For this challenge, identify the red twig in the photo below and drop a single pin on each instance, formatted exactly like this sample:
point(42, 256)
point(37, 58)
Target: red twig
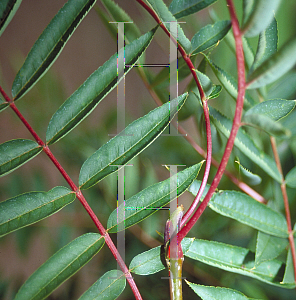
point(236, 121)
point(286, 203)
point(80, 197)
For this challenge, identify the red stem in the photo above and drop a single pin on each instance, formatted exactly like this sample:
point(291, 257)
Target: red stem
point(80, 197)
point(235, 126)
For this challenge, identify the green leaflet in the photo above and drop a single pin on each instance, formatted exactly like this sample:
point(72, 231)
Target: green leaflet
point(49, 45)
point(268, 247)
point(284, 88)
point(8, 9)
point(230, 84)
point(273, 68)
point(275, 109)
point(3, 104)
point(291, 178)
point(151, 199)
point(268, 125)
point(93, 90)
point(182, 8)
point(244, 143)
point(62, 265)
point(123, 147)
point(108, 287)
point(168, 19)
point(15, 153)
point(245, 209)
point(209, 36)
point(247, 176)
point(229, 39)
point(237, 260)
point(30, 208)
point(216, 293)
point(131, 31)
point(150, 262)
point(267, 45)
point(260, 16)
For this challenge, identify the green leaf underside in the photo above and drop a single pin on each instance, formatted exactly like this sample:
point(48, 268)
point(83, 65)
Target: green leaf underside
point(237, 260)
point(93, 90)
point(129, 143)
point(62, 265)
point(30, 208)
point(119, 15)
point(268, 125)
point(245, 209)
point(49, 45)
point(291, 178)
point(273, 68)
point(284, 88)
point(182, 8)
point(268, 247)
point(15, 153)
point(108, 287)
point(149, 262)
point(8, 9)
point(260, 17)
point(152, 199)
point(267, 45)
point(247, 176)
point(216, 293)
point(244, 143)
point(209, 36)
point(276, 109)
point(230, 84)
point(168, 19)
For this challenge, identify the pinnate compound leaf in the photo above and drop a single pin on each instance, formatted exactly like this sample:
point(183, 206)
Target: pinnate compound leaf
point(268, 247)
point(245, 144)
point(169, 21)
point(151, 199)
point(93, 90)
point(276, 109)
point(267, 44)
point(8, 9)
point(30, 208)
point(273, 68)
point(129, 143)
point(49, 45)
point(150, 262)
point(108, 287)
point(216, 293)
point(182, 8)
point(245, 209)
point(15, 153)
point(291, 178)
point(61, 266)
point(261, 16)
point(237, 260)
point(209, 36)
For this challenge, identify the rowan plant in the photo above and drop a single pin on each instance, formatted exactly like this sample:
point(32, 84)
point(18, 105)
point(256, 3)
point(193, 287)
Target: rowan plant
point(195, 198)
